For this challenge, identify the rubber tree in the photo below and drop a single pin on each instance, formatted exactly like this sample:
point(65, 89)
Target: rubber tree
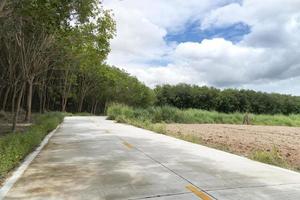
point(40, 55)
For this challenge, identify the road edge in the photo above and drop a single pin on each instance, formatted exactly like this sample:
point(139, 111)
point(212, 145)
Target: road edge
point(18, 172)
point(242, 157)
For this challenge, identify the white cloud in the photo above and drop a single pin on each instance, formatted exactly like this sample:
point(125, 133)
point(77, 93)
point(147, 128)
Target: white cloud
point(223, 16)
point(266, 59)
point(218, 61)
point(137, 38)
point(170, 74)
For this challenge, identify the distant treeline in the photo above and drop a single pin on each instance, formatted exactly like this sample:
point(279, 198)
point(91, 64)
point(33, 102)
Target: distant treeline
point(227, 101)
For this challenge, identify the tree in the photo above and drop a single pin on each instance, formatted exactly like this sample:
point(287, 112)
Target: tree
point(30, 40)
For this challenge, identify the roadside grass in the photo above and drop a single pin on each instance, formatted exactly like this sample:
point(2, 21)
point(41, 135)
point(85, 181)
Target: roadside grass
point(155, 118)
point(167, 114)
point(161, 128)
point(15, 146)
point(271, 157)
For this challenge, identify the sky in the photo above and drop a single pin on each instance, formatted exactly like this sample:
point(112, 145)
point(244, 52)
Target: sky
point(249, 44)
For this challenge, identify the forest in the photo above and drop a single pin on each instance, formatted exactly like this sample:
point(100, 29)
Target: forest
point(53, 58)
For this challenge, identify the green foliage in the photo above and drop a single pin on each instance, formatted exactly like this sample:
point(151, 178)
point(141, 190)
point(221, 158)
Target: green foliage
point(59, 47)
point(70, 73)
point(227, 101)
point(270, 157)
point(123, 88)
point(14, 147)
point(56, 14)
point(167, 114)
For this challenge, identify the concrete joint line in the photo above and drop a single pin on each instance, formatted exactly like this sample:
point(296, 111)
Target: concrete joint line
point(8, 184)
point(160, 195)
point(180, 176)
point(172, 171)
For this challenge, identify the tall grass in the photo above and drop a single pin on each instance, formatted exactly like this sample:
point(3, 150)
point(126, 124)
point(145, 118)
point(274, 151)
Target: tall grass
point(15, 146)
point(167, 114)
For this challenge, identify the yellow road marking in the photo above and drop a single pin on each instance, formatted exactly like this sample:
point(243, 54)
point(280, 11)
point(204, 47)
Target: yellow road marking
point(128, 145)
point(198, 193)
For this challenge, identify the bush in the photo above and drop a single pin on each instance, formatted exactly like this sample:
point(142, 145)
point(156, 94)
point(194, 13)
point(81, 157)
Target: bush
point(15, 146)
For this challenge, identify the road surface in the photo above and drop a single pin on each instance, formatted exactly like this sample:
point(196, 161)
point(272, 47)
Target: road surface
point(93, 158)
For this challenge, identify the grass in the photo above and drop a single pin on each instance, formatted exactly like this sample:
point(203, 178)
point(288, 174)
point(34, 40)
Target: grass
point(154, 119)
point(270, 157)
point(167, 114)
point(15, 146)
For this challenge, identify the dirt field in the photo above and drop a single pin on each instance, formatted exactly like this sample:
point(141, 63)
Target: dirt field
point(244, 140)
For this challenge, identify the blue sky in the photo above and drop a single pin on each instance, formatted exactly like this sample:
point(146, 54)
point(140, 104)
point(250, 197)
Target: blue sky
point(193, 33)
point(250, 44)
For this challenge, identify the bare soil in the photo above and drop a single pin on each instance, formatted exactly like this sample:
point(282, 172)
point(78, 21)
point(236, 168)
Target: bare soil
point(245, 139)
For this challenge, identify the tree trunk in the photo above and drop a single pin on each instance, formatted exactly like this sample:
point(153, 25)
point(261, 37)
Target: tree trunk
point(42, 96)
point(80, 103)
point(64, 104)
point(40, 101)
point(105, 107)
point(92, 107)
point(44, 102)
point(1, 90)
point(48, 102)
point(16, 113)
point(65, 95)
point(5, 98)
point(29, 100)
point(13, 99)
point(95, 108)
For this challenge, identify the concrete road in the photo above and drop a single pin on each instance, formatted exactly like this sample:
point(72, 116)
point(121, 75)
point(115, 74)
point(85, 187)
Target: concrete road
point(92, 158)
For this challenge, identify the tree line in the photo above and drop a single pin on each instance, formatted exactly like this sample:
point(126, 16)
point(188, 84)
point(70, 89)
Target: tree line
point(53, 56)
point(227, 101)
